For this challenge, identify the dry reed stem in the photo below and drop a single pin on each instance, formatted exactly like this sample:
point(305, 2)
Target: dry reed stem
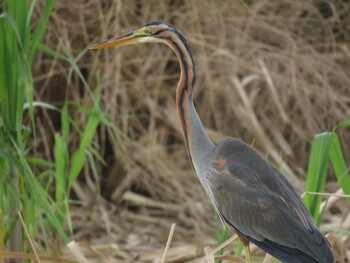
point(31, 244)
point(218, 248)
point(268, 259)
point(20, 255)
point(230, 258)
point(77, 252)
point(170, 237)
point(209, 255)
point(94, 251)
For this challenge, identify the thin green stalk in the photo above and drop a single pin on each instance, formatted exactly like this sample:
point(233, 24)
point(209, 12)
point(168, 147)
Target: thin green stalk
point(15, 242)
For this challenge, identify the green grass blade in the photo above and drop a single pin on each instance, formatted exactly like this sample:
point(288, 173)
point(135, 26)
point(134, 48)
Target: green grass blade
point(5, 17)
point(47, 206)
point(72, 61)
point(79, 157)
point(18, 10)
point(40, 104)
point(339, 166)
point(65, 120)
point(11, 159)
point(51, 52)
point(74, 67)
point(60, 168)
point(343, 124)
point(41, 198)
point(40, 162)
point(30, 13)
point(92, 165)
point(102, 118)
point(221, 234)
point(16, 79)
point(317, 172)
point(40, 29)
point(239, 248)
point(10, 60)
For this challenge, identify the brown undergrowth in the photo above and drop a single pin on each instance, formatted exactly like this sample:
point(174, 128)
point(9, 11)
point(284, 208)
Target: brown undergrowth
point(272, 73)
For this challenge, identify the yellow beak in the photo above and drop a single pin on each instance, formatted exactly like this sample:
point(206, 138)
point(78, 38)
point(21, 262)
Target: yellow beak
point(127, 39)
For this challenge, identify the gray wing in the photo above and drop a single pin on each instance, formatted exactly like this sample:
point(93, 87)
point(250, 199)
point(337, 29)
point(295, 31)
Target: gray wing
point(258, 201)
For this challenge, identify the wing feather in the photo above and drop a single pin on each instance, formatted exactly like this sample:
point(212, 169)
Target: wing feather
point(257, 200)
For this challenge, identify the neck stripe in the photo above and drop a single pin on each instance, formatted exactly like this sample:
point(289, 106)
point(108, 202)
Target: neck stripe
point(184, 88)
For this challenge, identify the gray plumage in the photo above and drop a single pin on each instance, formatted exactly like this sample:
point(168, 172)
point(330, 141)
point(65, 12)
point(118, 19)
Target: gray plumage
point(259, 202)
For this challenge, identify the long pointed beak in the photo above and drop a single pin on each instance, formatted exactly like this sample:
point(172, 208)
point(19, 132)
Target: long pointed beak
point(126, 39)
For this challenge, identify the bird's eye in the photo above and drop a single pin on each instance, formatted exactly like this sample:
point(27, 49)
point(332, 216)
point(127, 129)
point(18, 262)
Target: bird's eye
point(147, 32)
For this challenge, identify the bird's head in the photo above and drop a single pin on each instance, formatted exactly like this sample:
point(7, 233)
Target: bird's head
point(150, 32)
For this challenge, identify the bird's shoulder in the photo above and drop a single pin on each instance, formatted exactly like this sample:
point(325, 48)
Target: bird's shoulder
point(236, 158)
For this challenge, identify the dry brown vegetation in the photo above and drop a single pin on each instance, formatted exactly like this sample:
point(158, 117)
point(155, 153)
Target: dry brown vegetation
point(273, 73)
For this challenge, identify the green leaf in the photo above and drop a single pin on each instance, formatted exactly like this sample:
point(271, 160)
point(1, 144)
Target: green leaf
point(317, 172)
point(5, 17)
point(239, 248)
point(51, 52)
point(40, 104)
point(78, 158)
point(11, 69)
point(41, 198)
point(40, 28)
point(343, 124)
point(40, 162)
point(65, 119)
point(221, 234)
point(339, 166)
point(18, 10)
point(11, 159)
point(60, 168)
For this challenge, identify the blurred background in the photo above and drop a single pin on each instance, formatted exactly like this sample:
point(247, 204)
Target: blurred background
point(272, 73)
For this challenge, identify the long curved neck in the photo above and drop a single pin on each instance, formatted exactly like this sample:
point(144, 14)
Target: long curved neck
point(198, 144)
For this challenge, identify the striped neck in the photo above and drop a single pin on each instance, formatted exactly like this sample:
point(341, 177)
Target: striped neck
point(196, 140)
point(186, 82)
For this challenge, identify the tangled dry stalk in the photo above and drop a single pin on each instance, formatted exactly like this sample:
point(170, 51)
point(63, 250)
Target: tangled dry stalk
point(272, 73)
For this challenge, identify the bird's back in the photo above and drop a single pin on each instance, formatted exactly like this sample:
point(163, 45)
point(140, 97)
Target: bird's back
point(258, 201)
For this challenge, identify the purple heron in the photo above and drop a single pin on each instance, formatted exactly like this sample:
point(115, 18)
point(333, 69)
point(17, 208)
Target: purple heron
point(247, 192)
